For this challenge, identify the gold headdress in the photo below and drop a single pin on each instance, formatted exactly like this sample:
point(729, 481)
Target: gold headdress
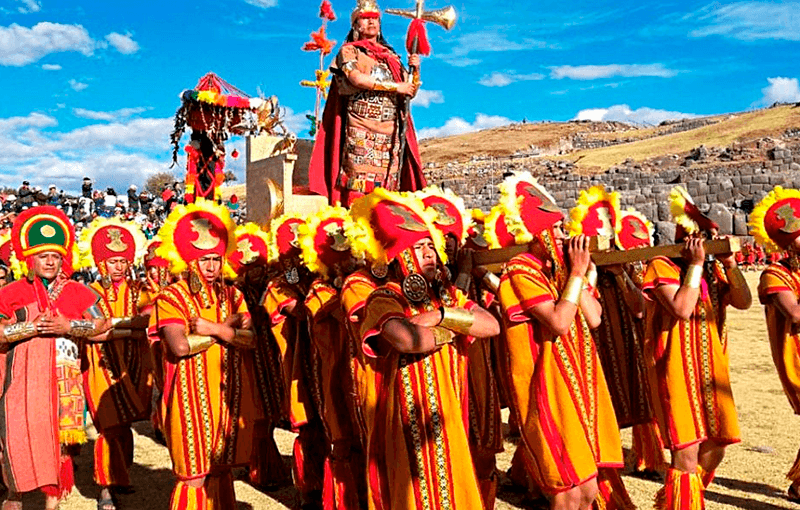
point(365, 9)
point(452, 216)
point(775, 221)
point(595, 214)
point(635, 230)
point(326, 239)
point(105, 238)
point(686, 214)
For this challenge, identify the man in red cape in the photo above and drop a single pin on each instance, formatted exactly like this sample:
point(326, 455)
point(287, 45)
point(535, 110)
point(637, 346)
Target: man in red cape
point(362, 143)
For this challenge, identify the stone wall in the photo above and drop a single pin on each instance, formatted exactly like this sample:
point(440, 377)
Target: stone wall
point(726, 191)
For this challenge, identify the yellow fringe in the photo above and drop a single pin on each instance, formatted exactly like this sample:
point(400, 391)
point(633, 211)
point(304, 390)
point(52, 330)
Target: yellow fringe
point(706, 477)
point(72, 437)
point(794, 473)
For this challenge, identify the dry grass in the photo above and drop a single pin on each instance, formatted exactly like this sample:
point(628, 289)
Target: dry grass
point(736, 128)
point(751, 477)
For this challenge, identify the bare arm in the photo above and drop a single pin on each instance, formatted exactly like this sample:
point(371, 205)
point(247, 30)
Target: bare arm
point(225, 332)
point(410, 338)
point(787, 303)
point(592, 309)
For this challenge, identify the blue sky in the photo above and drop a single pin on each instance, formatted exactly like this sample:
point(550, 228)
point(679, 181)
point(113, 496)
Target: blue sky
point(92, 86)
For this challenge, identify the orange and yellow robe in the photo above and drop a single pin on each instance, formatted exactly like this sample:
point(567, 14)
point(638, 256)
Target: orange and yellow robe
point(118, 383)
point(209, 404)
point(300, 366)
point(687, 360)
point(416, 412)
point(558, 390)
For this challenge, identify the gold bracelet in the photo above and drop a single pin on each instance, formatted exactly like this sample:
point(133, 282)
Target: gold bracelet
point(735, 277)
point(457, 320)
point(386, 86)
point(83, 328)
point(572, 290)
point(591, 277)
point(441, 336)
point(199, 343)
point(491, 281)
point(694, 275)
point(19, 331)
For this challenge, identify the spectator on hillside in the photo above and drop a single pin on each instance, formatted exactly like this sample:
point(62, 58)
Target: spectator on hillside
point(145, 201)
point(53, 197)
point(24, 196)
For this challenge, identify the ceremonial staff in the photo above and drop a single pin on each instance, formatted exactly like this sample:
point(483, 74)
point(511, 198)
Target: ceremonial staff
point(417, 42)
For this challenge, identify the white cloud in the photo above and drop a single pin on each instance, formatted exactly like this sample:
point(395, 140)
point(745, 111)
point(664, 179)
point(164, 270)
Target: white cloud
point(115, 154)
point(500, 79)
point(295, 122)
point(77, 86)
point(29, 6)
point(623, 113)
point(122, 43)
point(51, 67)
point(425, 98)
point(457, 126)
point(20, 46)
point(264, 4)
point(122, 113)
point(780, 90)
point(594, 72)
point(486, 41)
point(748, 21)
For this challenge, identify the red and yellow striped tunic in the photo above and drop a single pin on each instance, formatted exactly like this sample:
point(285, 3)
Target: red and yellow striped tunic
point(687, 361)
point(784, 336)
point(418, 455)
point(118, 375)
point(209, 405)
point(558, 390)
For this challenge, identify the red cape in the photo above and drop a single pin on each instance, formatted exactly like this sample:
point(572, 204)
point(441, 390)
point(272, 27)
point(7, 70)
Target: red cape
point(323, 170)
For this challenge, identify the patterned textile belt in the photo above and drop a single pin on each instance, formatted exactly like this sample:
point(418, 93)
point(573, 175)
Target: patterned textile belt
point(373, 105)
point(366, 182)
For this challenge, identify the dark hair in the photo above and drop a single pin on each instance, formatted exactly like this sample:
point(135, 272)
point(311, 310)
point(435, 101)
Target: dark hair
point(351, 37)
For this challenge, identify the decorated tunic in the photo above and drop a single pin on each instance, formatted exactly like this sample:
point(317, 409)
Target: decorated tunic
point(418, 453)
point(208, 404)
point(39, 407)
point(117, 375)
point(558, 390)
point(784, 336)
point(687, 360)
point(619, 345)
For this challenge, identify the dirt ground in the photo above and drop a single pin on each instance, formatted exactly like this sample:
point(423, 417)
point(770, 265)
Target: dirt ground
point(751, 477)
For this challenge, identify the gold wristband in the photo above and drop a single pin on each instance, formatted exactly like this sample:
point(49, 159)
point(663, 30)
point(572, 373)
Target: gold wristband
point(82, 328)
point(457, 320)
point(19, 331)
point(199, 343)
point(441, 336)
point(386, 86)
point(572, 290)
point(491, 281)
point(694, 275)
point(591, 277)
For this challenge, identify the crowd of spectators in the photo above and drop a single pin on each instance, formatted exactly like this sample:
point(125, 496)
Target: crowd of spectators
point(143, 207)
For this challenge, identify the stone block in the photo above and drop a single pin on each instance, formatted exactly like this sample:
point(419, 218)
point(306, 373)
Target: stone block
point(724, 196)
point(740, 223)
point(727, 184)
point(665, 232)
point(714, 188)
point(722, 216)
point(761, 179)
point(663, 210)
point(776, 179)
point(746, 179)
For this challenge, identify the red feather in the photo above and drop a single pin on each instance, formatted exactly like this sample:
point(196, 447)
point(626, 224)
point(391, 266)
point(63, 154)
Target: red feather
point(326, 11)
point(416, 30)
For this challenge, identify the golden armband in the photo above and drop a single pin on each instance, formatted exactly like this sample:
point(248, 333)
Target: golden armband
point(199, 343)
point(572, 290)
point(348, 67)
point(457, 320)
point(441, 336)
point(735, 277)
point(83, 328)
point(385, 86)
point(694, 275)
point(591, 278)
point(19, 331)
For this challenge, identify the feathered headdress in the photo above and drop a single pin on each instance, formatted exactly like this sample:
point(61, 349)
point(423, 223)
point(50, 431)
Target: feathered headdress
point(44, 228)
point(501, 229)
point(251, 247)
point(452, 216)
point(686, 215)
point(523, 197)
point(106, 238)
point(775, 221)
point(195, 230)
point(326, 238)
point(635, 231)
point(391, 223)
point(282, 239)
point(595, 214)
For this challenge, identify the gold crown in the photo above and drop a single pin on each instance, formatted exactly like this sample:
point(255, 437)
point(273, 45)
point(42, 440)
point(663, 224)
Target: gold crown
point(362, 7)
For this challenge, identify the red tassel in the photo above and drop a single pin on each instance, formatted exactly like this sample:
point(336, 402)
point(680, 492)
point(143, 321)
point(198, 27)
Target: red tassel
point(416, 30)
point(66, 477)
